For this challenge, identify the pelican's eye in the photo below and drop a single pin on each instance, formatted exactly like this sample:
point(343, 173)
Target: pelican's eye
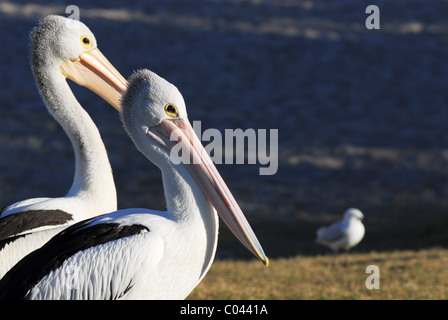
point(86, 42)
point(171, 110)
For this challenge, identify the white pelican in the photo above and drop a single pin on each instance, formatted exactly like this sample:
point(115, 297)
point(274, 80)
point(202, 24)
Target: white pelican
point(64, 48)
point(141, 253)
point(344, 234)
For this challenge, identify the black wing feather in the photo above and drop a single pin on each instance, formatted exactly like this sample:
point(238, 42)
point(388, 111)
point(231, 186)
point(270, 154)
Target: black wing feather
point(17, 283)
point(16, 223)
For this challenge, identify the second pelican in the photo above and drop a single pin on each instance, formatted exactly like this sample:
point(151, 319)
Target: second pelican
point(64, 48)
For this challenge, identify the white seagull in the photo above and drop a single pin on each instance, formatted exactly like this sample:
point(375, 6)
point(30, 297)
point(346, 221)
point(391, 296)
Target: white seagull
point(142, 253)
point(64, 48)
point(344, 234)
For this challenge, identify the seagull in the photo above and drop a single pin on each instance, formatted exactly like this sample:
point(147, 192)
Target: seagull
point(141, 253)
point(344, 234)
point(64, 48)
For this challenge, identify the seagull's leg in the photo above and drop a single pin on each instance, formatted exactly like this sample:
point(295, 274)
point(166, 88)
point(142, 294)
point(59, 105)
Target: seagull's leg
point(334, 254)
point(347, 257)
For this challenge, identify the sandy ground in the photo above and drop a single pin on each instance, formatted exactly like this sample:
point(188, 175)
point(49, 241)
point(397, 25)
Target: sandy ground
point(361, 113)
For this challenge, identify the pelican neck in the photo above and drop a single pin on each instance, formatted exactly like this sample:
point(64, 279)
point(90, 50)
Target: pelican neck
point(188, 205)
point(92, 168)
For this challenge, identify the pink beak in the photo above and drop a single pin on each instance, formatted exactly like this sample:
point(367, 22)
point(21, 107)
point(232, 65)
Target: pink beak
point(208, 178)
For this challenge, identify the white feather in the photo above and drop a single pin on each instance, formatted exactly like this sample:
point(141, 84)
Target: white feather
point(344, 234)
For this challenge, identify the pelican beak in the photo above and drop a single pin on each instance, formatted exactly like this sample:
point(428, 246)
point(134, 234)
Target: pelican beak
point(92, 70)
point(208, 178)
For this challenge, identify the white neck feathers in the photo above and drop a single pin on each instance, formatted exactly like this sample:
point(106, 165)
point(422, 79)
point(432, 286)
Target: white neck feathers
point(93, 175)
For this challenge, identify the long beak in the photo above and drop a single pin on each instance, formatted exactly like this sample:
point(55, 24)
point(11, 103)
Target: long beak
point(208, 178)
point(92, 70)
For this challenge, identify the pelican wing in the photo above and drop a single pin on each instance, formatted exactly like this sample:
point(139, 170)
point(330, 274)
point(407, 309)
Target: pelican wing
point(22, 279)
point(25, 221)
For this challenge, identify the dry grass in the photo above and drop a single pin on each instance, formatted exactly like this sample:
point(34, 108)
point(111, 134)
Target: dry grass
point(403, 275)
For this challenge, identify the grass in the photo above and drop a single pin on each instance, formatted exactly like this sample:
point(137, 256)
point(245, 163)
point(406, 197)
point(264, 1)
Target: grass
point(421, 274)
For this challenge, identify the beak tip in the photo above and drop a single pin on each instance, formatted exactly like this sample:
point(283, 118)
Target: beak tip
point(266, 262)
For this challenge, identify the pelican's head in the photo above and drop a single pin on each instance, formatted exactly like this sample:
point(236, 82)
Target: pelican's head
point(150, 100)
point(67, 45)
point(153, 113)
point(353, 213)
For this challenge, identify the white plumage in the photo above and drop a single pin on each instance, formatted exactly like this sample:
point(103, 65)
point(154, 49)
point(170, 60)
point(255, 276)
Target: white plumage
point(64, 48)
point(141, 253)
point(344, 234)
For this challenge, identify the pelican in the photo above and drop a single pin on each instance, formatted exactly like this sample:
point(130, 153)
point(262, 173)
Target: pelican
point(344, 234)
point(64, 48)
point(142, 253)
